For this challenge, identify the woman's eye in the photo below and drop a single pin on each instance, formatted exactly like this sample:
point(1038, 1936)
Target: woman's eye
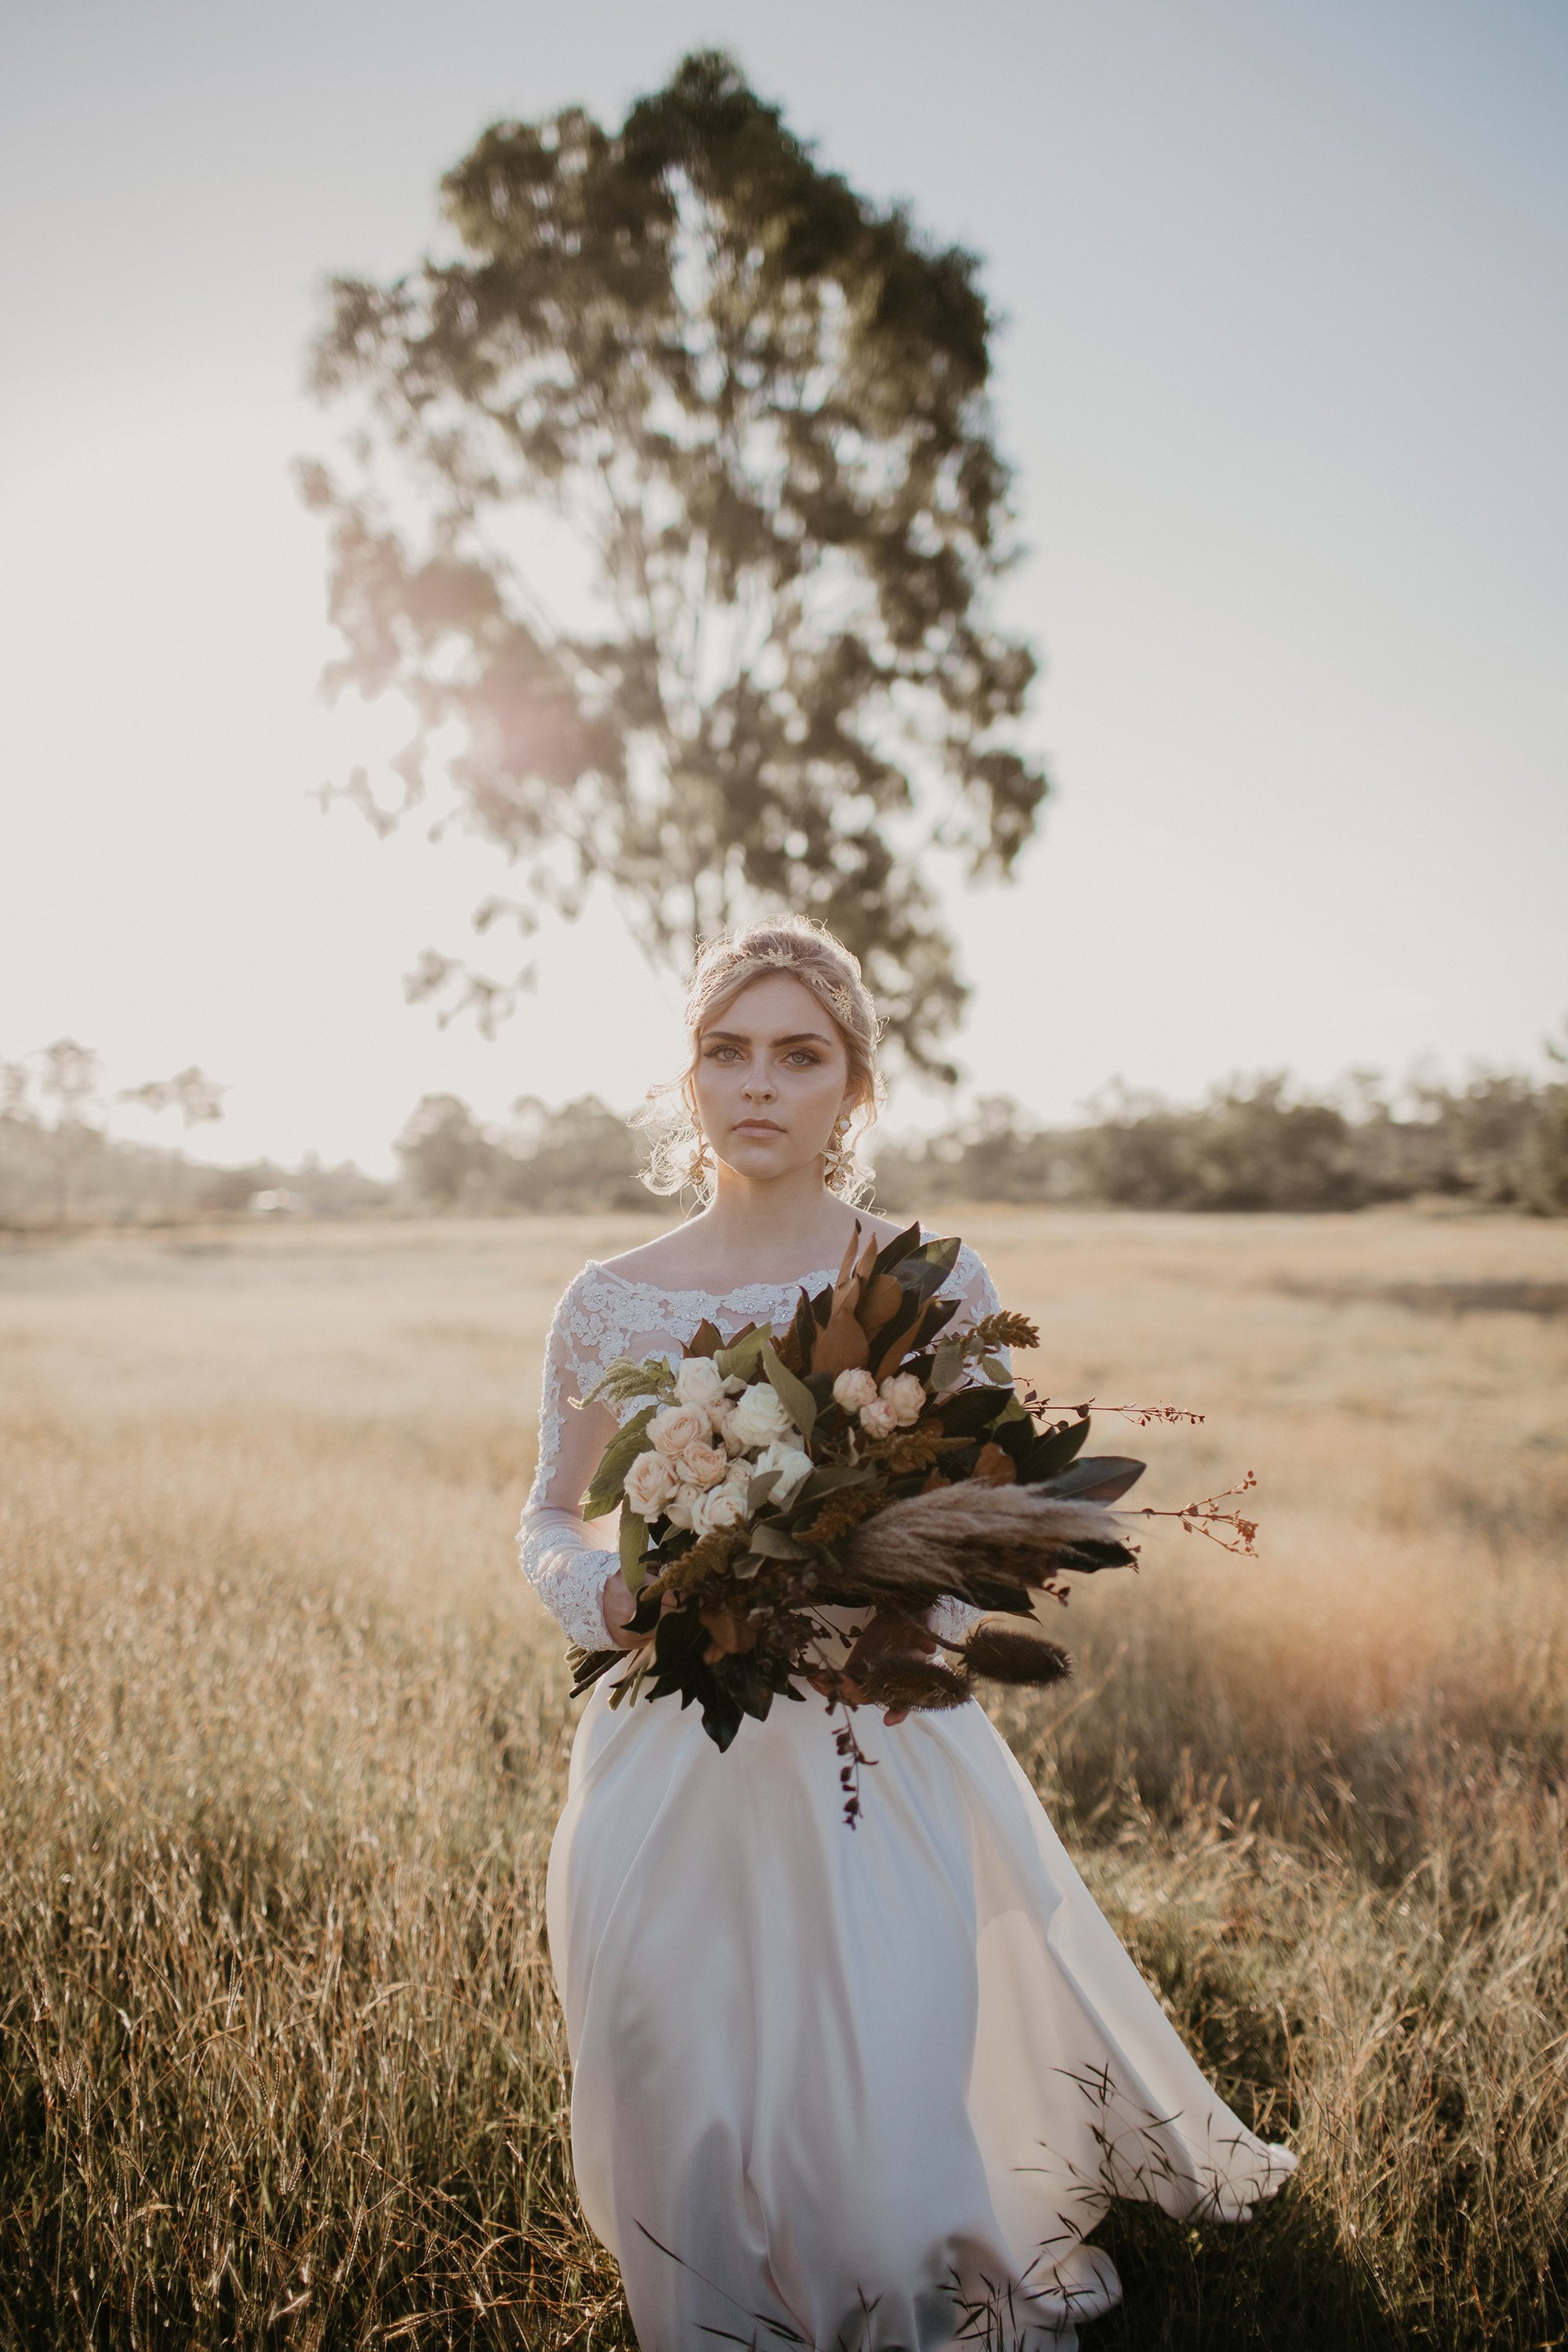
point(803, 1058)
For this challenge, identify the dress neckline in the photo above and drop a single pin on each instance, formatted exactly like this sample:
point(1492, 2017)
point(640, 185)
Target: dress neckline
point(659, 1290)
point(818, 1275)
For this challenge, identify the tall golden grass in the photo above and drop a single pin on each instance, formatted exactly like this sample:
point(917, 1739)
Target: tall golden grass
point(282, 1738)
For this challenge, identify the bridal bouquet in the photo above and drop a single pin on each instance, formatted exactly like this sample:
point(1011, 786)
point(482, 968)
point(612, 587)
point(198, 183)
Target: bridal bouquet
point(870, 1458)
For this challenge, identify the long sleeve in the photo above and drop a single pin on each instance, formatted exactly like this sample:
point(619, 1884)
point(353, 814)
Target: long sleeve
point(558, 1554)
point(952, 1621)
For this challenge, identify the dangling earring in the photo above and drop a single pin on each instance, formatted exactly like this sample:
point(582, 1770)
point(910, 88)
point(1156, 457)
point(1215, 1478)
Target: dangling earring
point(698, 1164)
point(836, 1159)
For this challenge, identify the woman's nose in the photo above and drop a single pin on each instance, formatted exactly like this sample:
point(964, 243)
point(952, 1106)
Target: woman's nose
point(758, 1085)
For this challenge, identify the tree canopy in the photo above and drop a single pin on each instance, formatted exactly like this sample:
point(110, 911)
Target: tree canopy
point(760, 402)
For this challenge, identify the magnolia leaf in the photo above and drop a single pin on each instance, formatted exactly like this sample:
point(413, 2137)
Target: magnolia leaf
point(633, 1544)
point(793, 1394)
point(943, 1254)
point(903, 1245)
point(1095, 1478)
point(841, 1345)
point(879, 1302)
point(610, 1478)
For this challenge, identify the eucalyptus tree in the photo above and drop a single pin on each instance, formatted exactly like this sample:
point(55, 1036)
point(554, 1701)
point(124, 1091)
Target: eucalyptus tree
point(759, 401)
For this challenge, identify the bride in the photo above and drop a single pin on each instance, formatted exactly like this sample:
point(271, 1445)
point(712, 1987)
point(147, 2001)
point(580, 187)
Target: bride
point(864, 2090)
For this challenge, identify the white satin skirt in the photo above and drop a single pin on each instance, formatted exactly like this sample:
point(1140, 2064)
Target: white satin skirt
point(857, 2088)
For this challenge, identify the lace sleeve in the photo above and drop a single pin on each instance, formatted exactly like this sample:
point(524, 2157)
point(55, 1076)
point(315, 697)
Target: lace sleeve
point(558, 1555)
point(951, 1621)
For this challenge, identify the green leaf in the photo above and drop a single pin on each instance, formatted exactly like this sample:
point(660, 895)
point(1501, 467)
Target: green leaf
point(793, 1394)
point(633, 1544)
point(774, 1544)
point(947, 1366)
point(832, 1477)
point(740, 1361)
point(609, 1479)
point(760, 1489)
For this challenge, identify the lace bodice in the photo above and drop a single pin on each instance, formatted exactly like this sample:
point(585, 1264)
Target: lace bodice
point(603, 1315)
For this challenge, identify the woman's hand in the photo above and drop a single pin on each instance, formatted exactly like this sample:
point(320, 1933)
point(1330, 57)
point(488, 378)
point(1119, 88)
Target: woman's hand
point(886, 1634)
point(619, 1605)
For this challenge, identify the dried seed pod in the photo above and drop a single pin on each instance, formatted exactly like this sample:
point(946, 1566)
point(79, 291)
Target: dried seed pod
point(1007, 1654)
point(899, 1680)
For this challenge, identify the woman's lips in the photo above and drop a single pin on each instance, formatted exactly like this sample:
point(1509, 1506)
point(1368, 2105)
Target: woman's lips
point(758, 1127)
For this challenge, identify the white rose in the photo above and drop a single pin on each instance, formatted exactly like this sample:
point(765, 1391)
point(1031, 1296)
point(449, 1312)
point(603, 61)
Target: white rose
point(650, 1483)
point(721, 1507)
point(677, 1427)
point(699, 1381)
point(702, 1465)
point(760, 1416)
point(878, 1419)
point(906, 1394)
point(723, 1416)
point(853, 1389)
point(789, 1460)
point(679, 1512)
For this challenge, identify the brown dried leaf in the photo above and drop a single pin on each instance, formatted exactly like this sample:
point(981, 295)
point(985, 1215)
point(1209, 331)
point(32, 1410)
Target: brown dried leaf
point(842, 1346)
point(729, 1633)
point(879, 1302)
point(994, 1467)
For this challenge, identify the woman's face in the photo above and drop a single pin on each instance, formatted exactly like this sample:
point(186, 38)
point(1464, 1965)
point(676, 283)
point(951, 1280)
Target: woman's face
point(771, 1078)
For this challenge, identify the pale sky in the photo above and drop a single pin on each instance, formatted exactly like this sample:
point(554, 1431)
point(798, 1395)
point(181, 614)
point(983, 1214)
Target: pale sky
point(1283, 377)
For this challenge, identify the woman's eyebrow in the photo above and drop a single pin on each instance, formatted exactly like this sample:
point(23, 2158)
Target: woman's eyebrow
point(739, 1037)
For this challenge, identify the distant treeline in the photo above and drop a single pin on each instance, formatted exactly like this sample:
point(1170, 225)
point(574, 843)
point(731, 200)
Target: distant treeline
point(1500, 1140)
point(74, 1174)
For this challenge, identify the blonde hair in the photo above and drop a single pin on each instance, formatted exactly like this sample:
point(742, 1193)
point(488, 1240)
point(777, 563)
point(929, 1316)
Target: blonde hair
point(679, 1153)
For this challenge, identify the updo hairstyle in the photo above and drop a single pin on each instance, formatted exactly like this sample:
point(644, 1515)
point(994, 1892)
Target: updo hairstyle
point(679, 1152)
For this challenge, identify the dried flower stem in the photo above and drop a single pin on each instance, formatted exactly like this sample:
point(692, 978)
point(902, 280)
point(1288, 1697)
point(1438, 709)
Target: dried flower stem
point(1205, 1518)
point(1038, 1407)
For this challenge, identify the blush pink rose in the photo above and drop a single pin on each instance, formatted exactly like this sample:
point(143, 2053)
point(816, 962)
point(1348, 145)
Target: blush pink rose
point(854, 1390)
point(677, 1427)
point(721, 1507)
point(680, 1510)
point(702, 1465)
point(906, 1394)
point(878, 1418)
point(650, 1483)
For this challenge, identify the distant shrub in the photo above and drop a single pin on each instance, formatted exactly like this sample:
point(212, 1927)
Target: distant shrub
point(580, 1156)
point(1500, 1139)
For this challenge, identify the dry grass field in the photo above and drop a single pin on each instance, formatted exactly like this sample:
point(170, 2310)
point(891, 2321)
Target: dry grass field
point(282, 1736)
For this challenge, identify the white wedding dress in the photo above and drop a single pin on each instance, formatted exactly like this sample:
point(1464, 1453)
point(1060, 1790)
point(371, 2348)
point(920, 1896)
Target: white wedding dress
point(865, 2088)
